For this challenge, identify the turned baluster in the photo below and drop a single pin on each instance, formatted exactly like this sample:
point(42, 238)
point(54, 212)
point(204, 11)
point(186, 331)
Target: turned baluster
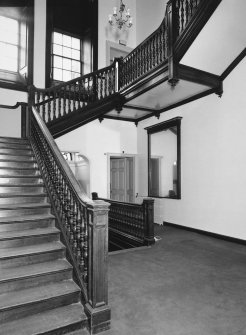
point(59, 104)
point(64, 101)
point(74, 86)
point(87, 219)
point(37, 96)
point(49, 108)
point(54, 105)
point(79, 94)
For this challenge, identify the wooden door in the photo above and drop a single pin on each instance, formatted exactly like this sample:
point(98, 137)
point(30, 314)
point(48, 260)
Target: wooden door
point(121, 179)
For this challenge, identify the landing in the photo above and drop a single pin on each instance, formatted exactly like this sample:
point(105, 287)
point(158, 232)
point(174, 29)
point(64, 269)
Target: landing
point(180, 286)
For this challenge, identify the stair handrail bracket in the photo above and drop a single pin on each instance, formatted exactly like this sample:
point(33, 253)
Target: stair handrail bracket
point(83, 224)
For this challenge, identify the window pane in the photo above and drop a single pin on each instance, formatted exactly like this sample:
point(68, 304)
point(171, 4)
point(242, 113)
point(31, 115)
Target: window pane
point(67, 41)
point(58, 62)
point(57, 49)
point(75, 75)
point(57, 74)
point(75, 66)
point(76, 54)
point(9, 64)
point(57, 38)
point(67, 75)
point(8, 30)
point(76, 43)
point(67, 52)
point(67, 64)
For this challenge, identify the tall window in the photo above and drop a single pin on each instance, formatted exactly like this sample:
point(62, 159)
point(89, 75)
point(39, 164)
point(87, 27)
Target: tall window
point(9, 44)
point(66, 57)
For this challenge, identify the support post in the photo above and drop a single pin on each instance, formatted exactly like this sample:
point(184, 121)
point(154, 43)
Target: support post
point(97, 307)
point(25, 120)
point(172, 31)
point(148, 206)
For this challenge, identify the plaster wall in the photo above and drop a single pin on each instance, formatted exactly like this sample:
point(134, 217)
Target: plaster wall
point(106, 32)
point(39, 43)
point(95, 141)
point(149, 15)
point(213, 162)
point(10, 124)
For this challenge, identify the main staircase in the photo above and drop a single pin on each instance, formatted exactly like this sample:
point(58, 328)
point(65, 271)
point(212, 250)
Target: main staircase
point(37, 292)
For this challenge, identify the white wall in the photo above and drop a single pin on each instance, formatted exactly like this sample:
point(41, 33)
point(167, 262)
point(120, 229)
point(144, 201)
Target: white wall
point(10, 124)
point(149, 15)
point(113, 34)
point(213, 162)
point(39, 43)
point(94, 141)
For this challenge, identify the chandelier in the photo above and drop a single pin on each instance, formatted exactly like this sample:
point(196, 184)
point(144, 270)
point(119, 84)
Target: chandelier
point(121, 19)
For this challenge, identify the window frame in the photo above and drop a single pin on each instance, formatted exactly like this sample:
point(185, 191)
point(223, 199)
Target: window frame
point(174, 122)
point(52, 53)
point(17, 80)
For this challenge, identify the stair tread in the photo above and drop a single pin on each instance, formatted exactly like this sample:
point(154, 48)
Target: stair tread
point(45, 322)
point(34, 269)
point(31, 249)
point(26, 217)
point(22, 185)
point(25, 205)
point(35, 294)
point(22, 194)
point(28, 233)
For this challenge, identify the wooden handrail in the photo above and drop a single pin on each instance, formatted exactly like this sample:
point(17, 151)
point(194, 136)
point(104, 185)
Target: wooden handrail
point(18, 104)
point(83, 224)
point(65, 167)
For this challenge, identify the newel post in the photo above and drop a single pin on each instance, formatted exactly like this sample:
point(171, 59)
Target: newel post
point(148, 207)
point(97, 307)
point(25, 120)
point(172, 31)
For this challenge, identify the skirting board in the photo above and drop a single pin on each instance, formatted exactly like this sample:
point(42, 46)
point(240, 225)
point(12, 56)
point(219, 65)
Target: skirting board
point(204, 232)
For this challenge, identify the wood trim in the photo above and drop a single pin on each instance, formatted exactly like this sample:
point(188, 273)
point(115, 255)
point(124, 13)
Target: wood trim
point(160, 127)
point(232, 66)
point(189, 73)
point(206, 233)
point(144, 109)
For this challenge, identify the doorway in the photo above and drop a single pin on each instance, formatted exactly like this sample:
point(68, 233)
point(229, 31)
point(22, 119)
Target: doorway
point(122, 179)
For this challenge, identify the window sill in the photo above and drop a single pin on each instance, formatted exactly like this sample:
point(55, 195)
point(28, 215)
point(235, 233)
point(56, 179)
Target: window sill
point(12, 81)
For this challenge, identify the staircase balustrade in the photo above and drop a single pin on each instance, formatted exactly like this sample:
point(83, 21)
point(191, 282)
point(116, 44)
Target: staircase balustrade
point(135, 221)
point(83, 223)
point(186, 9)
point(152, 52)
point(72, 96)
point(79, 94)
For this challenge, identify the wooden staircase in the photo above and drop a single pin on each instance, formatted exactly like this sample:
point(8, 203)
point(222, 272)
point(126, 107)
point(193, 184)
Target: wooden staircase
point(37, 291)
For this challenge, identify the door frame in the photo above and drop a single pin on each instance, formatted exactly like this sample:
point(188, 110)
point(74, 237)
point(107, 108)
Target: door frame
point(114, 155)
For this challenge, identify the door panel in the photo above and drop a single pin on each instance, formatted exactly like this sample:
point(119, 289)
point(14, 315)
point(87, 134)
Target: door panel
point(121, 179)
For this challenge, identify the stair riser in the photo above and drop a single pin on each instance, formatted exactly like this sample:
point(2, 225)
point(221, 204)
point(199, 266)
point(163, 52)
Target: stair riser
point(16, 158)
point(23, 200)
point(32, 258)
point(17, 152)
point(19, 180)
point(23, 211)
point(18, 172)
point(20, 226)
point(78, 328)
point(34, 281)
point(19, 189)
point(18, 165)
point(17, 141)
point(26, 241)
point(17, 312)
